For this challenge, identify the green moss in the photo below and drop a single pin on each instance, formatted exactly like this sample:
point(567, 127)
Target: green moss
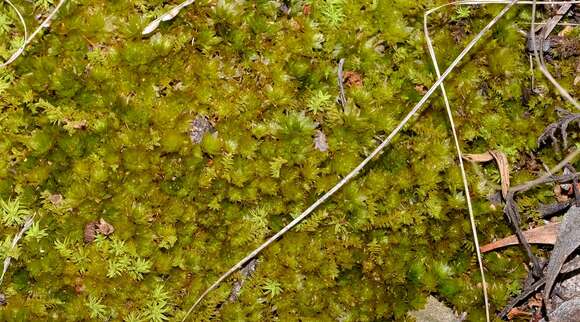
point(101, 116)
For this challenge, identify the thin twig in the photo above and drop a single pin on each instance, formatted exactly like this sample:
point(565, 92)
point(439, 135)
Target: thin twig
point(572, 265)
point(554, 20)
point(170, 14)
point(342, 98)
point(27, 39)
point(21, 48)
point(524, 187)
point(461, 166)
point(548, 177)
point(358, 168)
point(17, 238)
point(512, 213)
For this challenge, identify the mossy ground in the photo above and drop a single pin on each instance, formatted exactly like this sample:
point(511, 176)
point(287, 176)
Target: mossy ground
point(100, 115)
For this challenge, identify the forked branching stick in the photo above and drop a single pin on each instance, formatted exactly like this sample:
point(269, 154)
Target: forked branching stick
point(358, 168)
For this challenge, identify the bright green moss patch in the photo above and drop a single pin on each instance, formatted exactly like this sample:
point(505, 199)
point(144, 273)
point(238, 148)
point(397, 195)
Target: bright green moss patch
point(96, 123)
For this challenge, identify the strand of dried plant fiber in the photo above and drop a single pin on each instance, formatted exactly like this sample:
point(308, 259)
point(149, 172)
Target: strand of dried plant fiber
point(27, 39)
point(356, 170)
point(461, 165)
point(17, 238)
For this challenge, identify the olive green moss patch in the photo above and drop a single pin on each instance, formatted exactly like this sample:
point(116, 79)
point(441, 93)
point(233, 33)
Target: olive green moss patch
point(198, 142)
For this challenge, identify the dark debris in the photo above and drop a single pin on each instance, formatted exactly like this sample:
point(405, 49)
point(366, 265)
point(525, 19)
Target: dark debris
point(549, 134)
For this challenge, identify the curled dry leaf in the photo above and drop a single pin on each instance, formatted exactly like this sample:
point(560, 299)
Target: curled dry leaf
point(518, 313)
point(502, 164)
point(352, 79)
point(97, 227)
point(104, 227)
point(79, 286)
point(478, 158)
point(546, 234)
point(166, 17)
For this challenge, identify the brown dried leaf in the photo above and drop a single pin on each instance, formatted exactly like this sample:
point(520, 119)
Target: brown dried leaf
point(90, 231)
point(535, 302)
point(517, 313)
point(79, 286)
point(97, 227)
point(352, 79)
point(421, 89)
point(502, 164)
point(504, 171)
point(561, 196)
point(478, 158)
point(546, 234)
point(104, 227)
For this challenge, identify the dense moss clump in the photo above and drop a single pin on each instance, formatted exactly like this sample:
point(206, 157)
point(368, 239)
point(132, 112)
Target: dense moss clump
point(96, 123)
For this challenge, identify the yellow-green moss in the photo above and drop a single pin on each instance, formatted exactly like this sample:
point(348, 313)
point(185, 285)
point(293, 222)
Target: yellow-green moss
point(184, 213)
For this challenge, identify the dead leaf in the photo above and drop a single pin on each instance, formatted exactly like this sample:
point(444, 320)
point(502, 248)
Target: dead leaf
point(104, 227)
point(79, 286)
point(421, 89)
point(502, 164)
point(478, 158)
point(504, 171)
point(518, 313)
point(561, 196)
point(352, 79)
point(55, 199)
point(535, 302)
point(546, 234)
point(97, 227)
point(90, 231)
point(79, 125)
point(567, 242)
point(320, 142)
